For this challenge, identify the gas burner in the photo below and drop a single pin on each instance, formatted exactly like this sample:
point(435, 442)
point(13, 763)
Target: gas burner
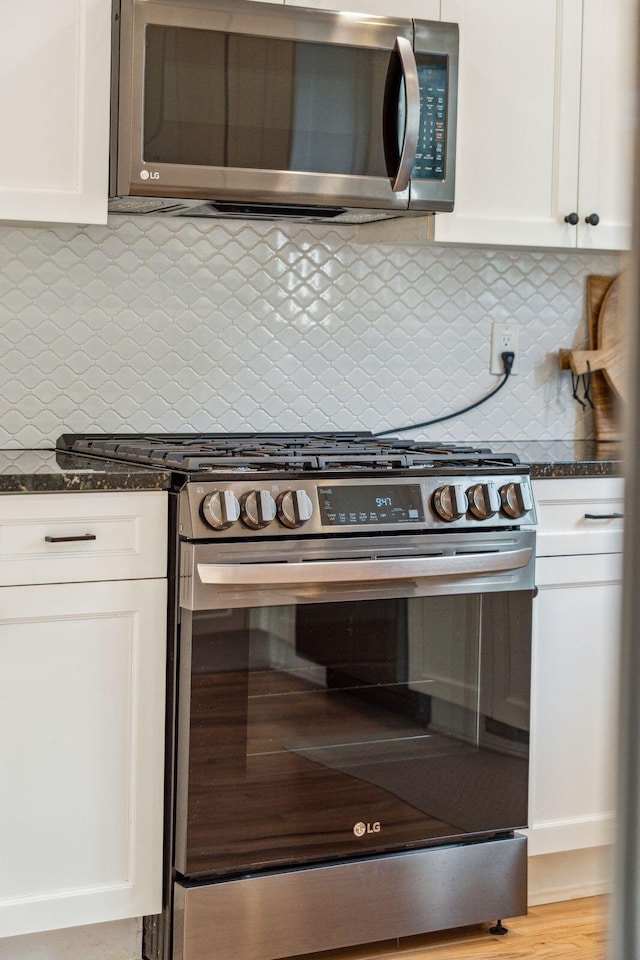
point(300, 453)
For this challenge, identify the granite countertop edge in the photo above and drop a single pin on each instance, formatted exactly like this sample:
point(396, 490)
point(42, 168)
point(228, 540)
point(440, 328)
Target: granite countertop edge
point(565, 471)
point(82, 482)
point(41, 471)
point(566, 459)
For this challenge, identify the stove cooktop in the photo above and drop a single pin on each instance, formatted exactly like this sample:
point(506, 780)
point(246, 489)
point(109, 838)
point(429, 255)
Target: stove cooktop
point(300, 453)
point(289, 484)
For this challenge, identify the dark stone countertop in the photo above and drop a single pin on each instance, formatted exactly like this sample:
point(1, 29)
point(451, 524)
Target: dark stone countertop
point(42, 471)
point(563, 459)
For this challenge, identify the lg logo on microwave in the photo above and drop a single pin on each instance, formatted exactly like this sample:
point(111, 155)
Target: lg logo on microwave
point(361, 828)
point(149, 175)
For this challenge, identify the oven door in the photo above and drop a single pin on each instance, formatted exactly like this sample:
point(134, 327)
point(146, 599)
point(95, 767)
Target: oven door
point(356, 696)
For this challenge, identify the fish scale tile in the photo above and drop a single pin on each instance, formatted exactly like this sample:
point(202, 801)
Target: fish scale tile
point(193, 325)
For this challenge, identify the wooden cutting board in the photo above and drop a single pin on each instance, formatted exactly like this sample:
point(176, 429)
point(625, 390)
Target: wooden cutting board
point(607, 404)
point(610, 352)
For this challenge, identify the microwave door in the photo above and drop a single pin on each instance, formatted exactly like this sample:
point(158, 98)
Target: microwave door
point(261, 106)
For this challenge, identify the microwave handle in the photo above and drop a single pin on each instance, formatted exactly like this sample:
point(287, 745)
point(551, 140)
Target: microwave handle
point(350, 571)
point(409, 69)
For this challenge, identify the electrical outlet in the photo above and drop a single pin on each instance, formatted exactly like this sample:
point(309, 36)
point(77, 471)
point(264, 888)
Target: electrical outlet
point(504, 336)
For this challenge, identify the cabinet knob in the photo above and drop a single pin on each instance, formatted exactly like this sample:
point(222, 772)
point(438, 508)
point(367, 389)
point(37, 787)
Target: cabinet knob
point(572, 218)
point(593, 219)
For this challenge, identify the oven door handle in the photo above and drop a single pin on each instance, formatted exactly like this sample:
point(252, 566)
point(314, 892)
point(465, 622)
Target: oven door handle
point(312, 572)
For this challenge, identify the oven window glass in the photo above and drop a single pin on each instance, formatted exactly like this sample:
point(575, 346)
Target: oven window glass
point(228, 100)
point(333, 729)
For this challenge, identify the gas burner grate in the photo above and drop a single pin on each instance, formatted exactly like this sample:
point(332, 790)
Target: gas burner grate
point(296, 452)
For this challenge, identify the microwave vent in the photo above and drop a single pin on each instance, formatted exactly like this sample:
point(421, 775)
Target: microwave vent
point(272, 211)
point(131, 205)
point(246, 211)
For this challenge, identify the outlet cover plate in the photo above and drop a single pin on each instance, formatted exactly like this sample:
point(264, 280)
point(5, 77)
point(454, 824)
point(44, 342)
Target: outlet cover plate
point(504, 336)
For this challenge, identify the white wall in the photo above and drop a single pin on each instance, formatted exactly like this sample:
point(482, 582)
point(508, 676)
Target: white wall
point(174, 324)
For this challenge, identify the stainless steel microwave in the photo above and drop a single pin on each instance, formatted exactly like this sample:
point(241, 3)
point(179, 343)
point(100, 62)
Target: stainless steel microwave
point(251, 109)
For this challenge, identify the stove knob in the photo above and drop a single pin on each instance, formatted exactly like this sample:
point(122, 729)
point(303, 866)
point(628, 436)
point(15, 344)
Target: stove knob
point(516, 500)
point(294, 508)
point(257, 509)
point(220, 509)
point(484, 500)
point(450, 502)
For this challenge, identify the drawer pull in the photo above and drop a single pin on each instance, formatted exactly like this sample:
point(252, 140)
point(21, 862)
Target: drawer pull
point(81, 537)
point(603, 516)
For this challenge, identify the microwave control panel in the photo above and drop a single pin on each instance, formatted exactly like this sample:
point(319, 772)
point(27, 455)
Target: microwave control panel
point(430, 162)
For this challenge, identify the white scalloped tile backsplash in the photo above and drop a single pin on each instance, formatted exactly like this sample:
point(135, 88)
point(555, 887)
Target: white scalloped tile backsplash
point(172, 325)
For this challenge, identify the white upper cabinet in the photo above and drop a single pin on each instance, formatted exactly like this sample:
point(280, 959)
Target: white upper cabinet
point(544, 122)
point(420, 9)
point(607, 123)
point(519, 83)
point(54, 112)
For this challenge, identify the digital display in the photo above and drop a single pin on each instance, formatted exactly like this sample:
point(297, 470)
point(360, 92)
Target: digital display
point(345, 505)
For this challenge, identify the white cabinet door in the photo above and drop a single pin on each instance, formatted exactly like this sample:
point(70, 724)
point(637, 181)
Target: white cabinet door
point(82, 676)
point(518, 122)
point(420, 9)
point(54, 111)
point(574, 697)
point(608, 106)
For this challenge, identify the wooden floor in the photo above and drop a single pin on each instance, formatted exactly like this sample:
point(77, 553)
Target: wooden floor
point(572, 930)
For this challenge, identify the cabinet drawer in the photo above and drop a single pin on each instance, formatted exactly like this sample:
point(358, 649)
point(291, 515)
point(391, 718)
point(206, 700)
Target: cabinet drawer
point(67, 537)
point(579, 516)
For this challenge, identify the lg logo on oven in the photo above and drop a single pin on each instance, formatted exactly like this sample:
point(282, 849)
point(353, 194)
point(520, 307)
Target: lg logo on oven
point(149, 175)
point(361, 828)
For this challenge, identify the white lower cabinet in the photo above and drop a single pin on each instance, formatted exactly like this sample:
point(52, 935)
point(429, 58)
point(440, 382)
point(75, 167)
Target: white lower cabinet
point(82, 681)
point(575, 665)
point(576, 617)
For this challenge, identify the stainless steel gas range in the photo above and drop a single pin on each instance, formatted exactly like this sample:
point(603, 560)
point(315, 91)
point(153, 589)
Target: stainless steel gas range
point(347, 740)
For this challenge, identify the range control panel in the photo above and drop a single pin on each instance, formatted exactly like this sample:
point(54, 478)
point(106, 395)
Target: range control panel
point(360, 505)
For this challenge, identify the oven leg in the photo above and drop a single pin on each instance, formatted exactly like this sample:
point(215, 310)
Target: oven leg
point(499, 930)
